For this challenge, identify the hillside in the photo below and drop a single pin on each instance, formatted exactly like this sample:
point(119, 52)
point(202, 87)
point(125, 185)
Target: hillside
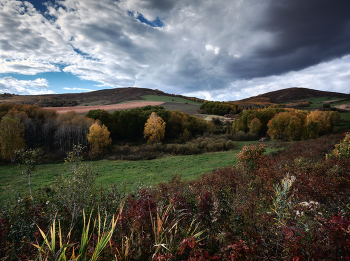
point(296, 94)
point(137, 96)
point(101, 97)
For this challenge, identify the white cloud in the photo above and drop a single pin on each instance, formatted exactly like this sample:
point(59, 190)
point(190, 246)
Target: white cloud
point(35, 87)
point(77, 89)
point(209, 47)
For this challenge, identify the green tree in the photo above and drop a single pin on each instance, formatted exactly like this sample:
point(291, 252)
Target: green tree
point(154, 128)
point(104, 117)
point(28, 160)
point(11, 137)
point(211, 127)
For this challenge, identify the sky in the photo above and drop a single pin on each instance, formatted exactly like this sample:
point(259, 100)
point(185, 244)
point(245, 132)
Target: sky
point(212, 49)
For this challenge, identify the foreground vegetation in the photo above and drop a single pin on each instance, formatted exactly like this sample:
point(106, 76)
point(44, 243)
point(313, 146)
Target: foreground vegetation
point(292, 205)
point(150, 202)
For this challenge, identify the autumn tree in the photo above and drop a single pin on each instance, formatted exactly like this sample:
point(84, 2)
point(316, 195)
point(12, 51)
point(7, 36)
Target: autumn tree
point(255, 126)
point(98, 137)
point(211, 127)
point(319, 123)
point(11, 137)
point(154, 128)
point(288, 125)
point(237, 126)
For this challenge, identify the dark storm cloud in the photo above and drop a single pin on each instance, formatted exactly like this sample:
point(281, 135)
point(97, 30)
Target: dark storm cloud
point(304, 33)
point(162, 5)
point(213, 47)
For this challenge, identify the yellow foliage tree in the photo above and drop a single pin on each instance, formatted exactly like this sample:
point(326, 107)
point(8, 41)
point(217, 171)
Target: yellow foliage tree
point(288, 125)
point(255, 126)
point(11, 137)
point(98, 137)
point(154, 128)
point(318, 123)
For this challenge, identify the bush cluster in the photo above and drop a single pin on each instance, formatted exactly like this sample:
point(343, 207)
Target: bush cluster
point(156, 150)
point(220, 108)
point(57, 103)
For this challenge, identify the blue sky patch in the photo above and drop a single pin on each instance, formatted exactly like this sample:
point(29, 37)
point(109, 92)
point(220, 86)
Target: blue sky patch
point(155, 23)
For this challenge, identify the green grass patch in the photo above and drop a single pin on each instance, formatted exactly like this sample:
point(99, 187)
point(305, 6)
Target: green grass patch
point(345, 124)
point(345, 115)
point(339, 103)
point(130, 172)
point(157, 98)
point(318, 102)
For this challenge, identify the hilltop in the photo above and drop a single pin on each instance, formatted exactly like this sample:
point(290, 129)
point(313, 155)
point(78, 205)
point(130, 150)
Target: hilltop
point(294, 94)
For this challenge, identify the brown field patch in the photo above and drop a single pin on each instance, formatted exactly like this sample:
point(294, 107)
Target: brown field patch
point(343, 106)
point(123, 106)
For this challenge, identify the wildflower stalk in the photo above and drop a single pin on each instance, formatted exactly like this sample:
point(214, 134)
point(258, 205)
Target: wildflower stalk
point(282, 203)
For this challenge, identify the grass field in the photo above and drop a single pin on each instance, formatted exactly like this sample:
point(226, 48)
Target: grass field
point(166, 99)
point(316, 104)
point(345, 125)
point(345, 115)
point(131, 172)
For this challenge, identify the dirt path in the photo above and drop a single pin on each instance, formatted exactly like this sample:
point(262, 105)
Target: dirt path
point(82, 109)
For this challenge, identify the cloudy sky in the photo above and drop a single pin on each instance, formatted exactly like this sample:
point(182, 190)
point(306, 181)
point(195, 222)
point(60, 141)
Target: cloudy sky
point(213, 49)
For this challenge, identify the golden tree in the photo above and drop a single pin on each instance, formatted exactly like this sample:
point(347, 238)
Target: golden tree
point(154, 128)
point(288, 125)
point(255, 126)
point(318, 123)
point(98, 137)
point(11, 137)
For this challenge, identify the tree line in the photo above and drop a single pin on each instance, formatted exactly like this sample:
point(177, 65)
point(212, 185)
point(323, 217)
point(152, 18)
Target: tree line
point(286, 124)
point(34, 127)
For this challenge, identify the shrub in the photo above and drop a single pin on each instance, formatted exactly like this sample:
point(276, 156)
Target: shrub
point(250, 155)
point(342, 150)
point(326, 105)
point(230, 145)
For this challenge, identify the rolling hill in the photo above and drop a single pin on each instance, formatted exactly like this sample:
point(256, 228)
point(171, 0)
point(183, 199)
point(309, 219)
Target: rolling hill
point(296, 94)
point(101, 97)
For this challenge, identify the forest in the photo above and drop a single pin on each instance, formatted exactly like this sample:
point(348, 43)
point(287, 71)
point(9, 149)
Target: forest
point(290, 204)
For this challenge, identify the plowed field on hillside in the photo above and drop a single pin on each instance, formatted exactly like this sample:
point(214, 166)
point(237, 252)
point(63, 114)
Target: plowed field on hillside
point(112, 107)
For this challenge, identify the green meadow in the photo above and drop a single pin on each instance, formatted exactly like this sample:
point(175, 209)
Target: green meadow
point(131, 173)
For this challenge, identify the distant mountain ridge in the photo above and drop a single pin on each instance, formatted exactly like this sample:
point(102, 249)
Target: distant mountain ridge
point(296, 94)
